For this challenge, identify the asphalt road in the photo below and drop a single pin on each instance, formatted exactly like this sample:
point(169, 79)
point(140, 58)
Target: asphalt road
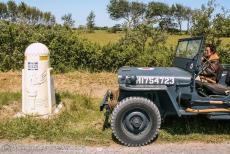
point(189, 148)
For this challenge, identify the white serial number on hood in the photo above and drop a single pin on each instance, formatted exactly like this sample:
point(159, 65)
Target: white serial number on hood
point(155, 80)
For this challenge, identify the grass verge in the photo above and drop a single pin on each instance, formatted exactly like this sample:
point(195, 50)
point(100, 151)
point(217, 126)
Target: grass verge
point(81, 123)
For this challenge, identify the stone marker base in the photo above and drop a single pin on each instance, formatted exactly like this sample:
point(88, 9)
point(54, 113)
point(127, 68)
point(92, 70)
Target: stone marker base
point(47, 116)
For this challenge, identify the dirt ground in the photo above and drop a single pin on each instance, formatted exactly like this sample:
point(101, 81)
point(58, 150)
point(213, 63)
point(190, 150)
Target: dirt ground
point(9, 111)
point(92, 84)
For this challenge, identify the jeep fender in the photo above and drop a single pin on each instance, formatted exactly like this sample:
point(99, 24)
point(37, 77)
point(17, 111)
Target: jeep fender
point(162, 95)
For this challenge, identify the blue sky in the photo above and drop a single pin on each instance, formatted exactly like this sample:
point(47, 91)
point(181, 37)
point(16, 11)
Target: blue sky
point(81, 8)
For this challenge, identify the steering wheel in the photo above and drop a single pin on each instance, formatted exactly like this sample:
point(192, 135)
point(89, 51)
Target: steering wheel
point(204, 66)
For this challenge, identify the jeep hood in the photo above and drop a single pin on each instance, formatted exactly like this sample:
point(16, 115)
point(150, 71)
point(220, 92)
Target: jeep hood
point(175, 73)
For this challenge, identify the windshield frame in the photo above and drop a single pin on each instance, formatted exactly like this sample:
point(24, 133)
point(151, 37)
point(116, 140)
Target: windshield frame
point(189, 64)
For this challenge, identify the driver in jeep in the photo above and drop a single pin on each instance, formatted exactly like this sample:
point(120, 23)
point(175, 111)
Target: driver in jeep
point(212, 69)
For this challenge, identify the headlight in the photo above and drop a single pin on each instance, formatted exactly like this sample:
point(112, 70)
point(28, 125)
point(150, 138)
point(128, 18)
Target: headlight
point(130, 79)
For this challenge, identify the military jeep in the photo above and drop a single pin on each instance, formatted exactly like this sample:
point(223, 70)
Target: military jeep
point(148, 95)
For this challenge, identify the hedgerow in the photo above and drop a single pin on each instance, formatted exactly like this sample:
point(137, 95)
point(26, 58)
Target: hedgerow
point(68, 51)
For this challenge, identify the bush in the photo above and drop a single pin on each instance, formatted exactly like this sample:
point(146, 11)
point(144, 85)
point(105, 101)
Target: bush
point(223, 53)
point(67, 50)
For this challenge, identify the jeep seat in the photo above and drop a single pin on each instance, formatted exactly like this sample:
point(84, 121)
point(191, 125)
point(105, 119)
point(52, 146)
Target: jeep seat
point(213, 88)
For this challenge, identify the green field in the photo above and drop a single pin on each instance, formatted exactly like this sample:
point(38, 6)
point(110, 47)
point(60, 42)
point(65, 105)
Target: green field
point(102, 37)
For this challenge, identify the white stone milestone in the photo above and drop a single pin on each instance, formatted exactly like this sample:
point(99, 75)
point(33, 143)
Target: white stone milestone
point(38, 94)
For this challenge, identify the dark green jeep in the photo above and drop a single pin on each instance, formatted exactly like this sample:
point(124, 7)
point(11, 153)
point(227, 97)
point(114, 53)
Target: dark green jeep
point(148, 95)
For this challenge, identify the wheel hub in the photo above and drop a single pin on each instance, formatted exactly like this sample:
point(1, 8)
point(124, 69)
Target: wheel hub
point(136, 122)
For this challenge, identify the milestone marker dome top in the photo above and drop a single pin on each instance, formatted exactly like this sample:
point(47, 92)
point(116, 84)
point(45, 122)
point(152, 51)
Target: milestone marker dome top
point(38, 49)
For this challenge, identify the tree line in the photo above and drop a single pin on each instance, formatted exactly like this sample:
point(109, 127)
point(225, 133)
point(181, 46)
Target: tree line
point(170, 18)
point(161, 15)
point(25, 14)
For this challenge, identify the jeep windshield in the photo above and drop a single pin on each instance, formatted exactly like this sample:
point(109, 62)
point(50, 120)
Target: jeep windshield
point(188, 48)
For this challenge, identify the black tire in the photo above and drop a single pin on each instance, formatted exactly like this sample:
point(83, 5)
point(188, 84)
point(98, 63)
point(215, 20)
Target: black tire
point(136, 121)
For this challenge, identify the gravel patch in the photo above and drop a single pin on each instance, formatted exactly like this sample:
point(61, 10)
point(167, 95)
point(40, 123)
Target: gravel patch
point(189, 148)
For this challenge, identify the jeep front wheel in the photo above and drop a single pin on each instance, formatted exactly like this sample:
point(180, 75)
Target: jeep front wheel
point(135, 121)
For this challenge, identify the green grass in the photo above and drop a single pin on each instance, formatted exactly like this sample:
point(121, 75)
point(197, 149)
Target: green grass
point(81, 123)
point(197, 128)
point(7, 97)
